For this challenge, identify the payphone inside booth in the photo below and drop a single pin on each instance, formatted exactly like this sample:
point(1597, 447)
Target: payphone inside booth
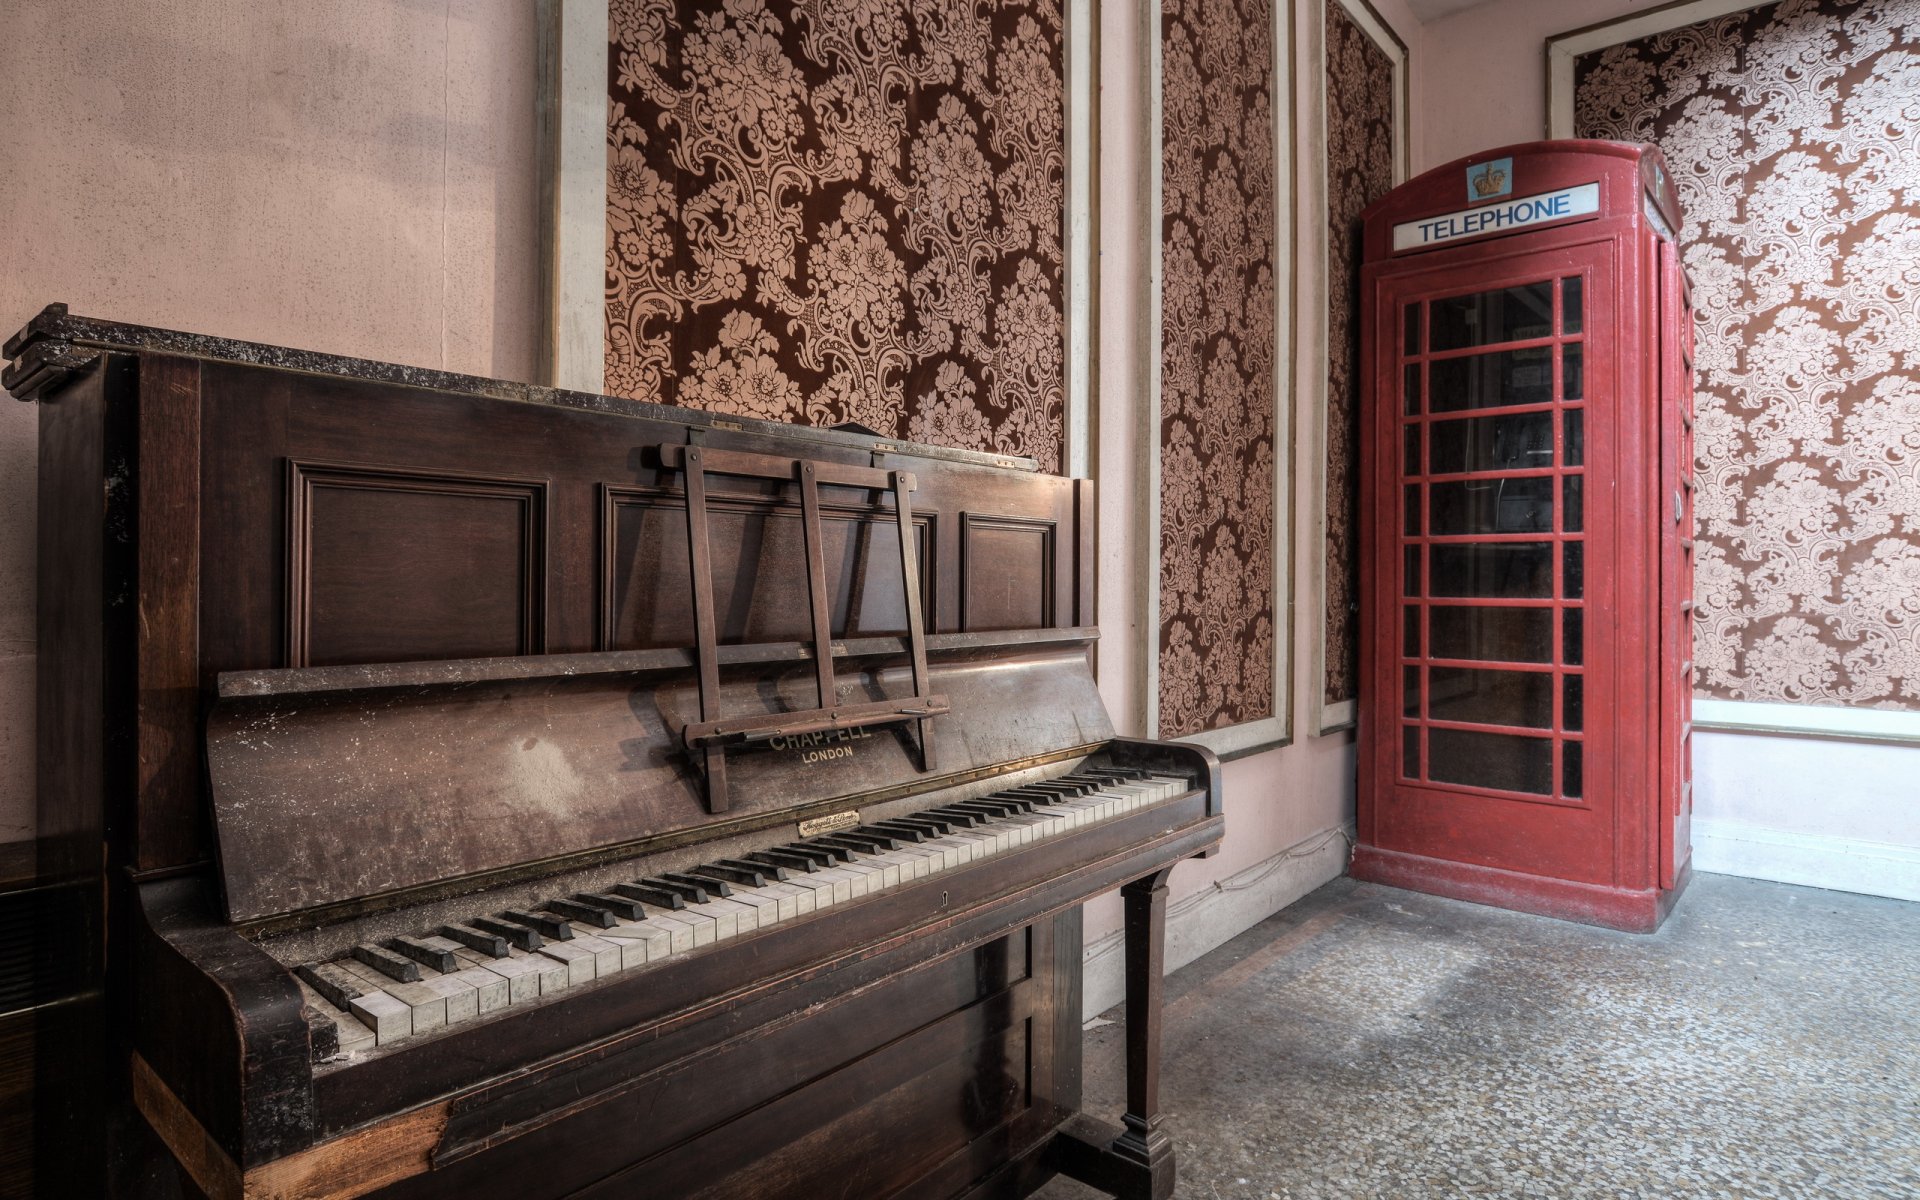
point(1527, 535)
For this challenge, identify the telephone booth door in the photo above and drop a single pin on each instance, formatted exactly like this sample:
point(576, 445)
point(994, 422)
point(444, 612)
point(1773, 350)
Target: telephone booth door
point(1526, 535)
point(1500, 694)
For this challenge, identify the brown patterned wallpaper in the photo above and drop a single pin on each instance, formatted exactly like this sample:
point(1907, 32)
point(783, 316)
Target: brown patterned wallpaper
point(1217, 370)
point(1360, 146)
point(841, 210)
point(1793, 132)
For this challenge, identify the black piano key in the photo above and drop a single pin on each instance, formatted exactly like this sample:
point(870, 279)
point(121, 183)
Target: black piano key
point(774, 872)
point(717, 886)
point(905, 831)
point(323, 1036)
point(628, 908)
point(548, 924)
point(1060, 787)
point(995, 809)
point(1009, 804)
point(791, 860)
point(586, 914)
point(822, 856)
point(933, 826)
point(400, 970)
point(691, 891)
point(734, 870)
point(520, 935)
point(427, 956)
point(861, 841)
point(966, 818)
point(1034, 794)
point(489, 944)
point(835, 851)
point(340, 987)
point(659, 897)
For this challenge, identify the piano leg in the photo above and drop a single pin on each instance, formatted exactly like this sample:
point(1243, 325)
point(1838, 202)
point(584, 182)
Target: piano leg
point(1136, 1161)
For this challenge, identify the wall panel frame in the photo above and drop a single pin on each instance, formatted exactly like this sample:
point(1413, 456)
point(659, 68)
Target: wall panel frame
point(1324, 717)
point(1276, 729)
point(572, 119)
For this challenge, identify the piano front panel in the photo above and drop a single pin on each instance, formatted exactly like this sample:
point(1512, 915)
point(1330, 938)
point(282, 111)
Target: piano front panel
point(833, 1090)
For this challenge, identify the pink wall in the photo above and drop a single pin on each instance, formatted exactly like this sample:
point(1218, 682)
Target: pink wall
point(346, 175)
point(1279, 798)
point(1486, 70)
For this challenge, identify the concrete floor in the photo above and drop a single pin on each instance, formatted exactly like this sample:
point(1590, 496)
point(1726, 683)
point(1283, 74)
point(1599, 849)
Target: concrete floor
point(1369, 1042)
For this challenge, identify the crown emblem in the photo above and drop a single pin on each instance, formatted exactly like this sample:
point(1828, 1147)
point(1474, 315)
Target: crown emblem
point(1489, 182)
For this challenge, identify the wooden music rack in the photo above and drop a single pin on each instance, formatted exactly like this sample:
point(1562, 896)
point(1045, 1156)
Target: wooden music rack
point(707, 739)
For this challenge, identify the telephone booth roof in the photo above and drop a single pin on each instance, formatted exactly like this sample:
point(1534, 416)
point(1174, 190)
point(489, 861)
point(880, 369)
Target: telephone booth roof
point(1528, 187)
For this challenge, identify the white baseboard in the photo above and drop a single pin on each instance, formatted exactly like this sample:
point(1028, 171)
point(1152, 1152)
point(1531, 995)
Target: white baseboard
point(1198, 922)
point(1813, 860)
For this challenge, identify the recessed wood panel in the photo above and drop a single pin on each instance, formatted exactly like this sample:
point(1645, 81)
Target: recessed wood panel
point(392, 566)
point(759, 567)
point(1006, 566)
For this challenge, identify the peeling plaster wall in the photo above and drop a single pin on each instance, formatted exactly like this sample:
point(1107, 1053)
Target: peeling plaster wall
point(355, 176)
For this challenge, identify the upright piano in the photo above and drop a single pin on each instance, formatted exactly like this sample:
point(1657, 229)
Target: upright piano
point(500, 791)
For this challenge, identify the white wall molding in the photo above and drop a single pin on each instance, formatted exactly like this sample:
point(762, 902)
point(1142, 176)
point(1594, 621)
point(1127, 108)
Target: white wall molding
point(1838, 864)
point(1881, 725)
point(1219, 911)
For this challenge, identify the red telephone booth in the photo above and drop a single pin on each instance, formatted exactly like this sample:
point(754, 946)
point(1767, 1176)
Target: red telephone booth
point(1526, 534)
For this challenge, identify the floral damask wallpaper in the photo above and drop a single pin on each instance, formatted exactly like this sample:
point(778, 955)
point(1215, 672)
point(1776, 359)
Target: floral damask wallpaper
point(1793, 132)
point(841, 210)
point(1360, 154)
point(1217, 369)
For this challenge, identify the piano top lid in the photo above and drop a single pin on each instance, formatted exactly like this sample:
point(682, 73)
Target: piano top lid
point(55, 344)
point(337, 789)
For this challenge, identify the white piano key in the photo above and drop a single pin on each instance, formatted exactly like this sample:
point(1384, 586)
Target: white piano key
point(680, 933)
point(606, 955)
point(866, 876)
point(641, 942)
point(818, 884)
point(950, 854)
point(578, 961)
point(553, 974)
point(491, 992)
point(888, 866)
point(352, 1036)
point(784, 897)
point(701, 929)
point(463, 998)
point(766, 908)
point(803, 897)
point(729, 919)
point(389, 1019)
point(427, 1006)
point(521, 976)
point(911, 861)
point(842, 883)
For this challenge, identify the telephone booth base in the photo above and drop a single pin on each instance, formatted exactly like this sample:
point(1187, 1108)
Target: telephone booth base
point(1627, 909)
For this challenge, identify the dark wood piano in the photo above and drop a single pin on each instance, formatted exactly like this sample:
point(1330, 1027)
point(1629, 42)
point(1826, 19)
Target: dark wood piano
point(507, 792)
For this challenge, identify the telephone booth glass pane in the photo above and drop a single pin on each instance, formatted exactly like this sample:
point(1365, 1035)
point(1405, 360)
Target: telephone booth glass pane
point(1491, 694)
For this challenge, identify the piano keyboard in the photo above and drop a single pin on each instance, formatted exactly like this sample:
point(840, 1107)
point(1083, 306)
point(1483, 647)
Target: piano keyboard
point(410, 986)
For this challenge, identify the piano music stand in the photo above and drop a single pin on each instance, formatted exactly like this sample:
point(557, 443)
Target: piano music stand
point(707, 739)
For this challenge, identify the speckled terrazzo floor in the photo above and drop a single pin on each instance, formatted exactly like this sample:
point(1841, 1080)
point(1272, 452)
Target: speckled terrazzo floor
point(1372, 1042)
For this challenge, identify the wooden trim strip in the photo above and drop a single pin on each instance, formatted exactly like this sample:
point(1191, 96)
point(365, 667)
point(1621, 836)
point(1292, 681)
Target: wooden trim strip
point(353, 1164)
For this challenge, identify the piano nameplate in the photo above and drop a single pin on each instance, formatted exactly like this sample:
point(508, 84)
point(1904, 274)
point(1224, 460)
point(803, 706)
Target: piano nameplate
point(832, 823)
